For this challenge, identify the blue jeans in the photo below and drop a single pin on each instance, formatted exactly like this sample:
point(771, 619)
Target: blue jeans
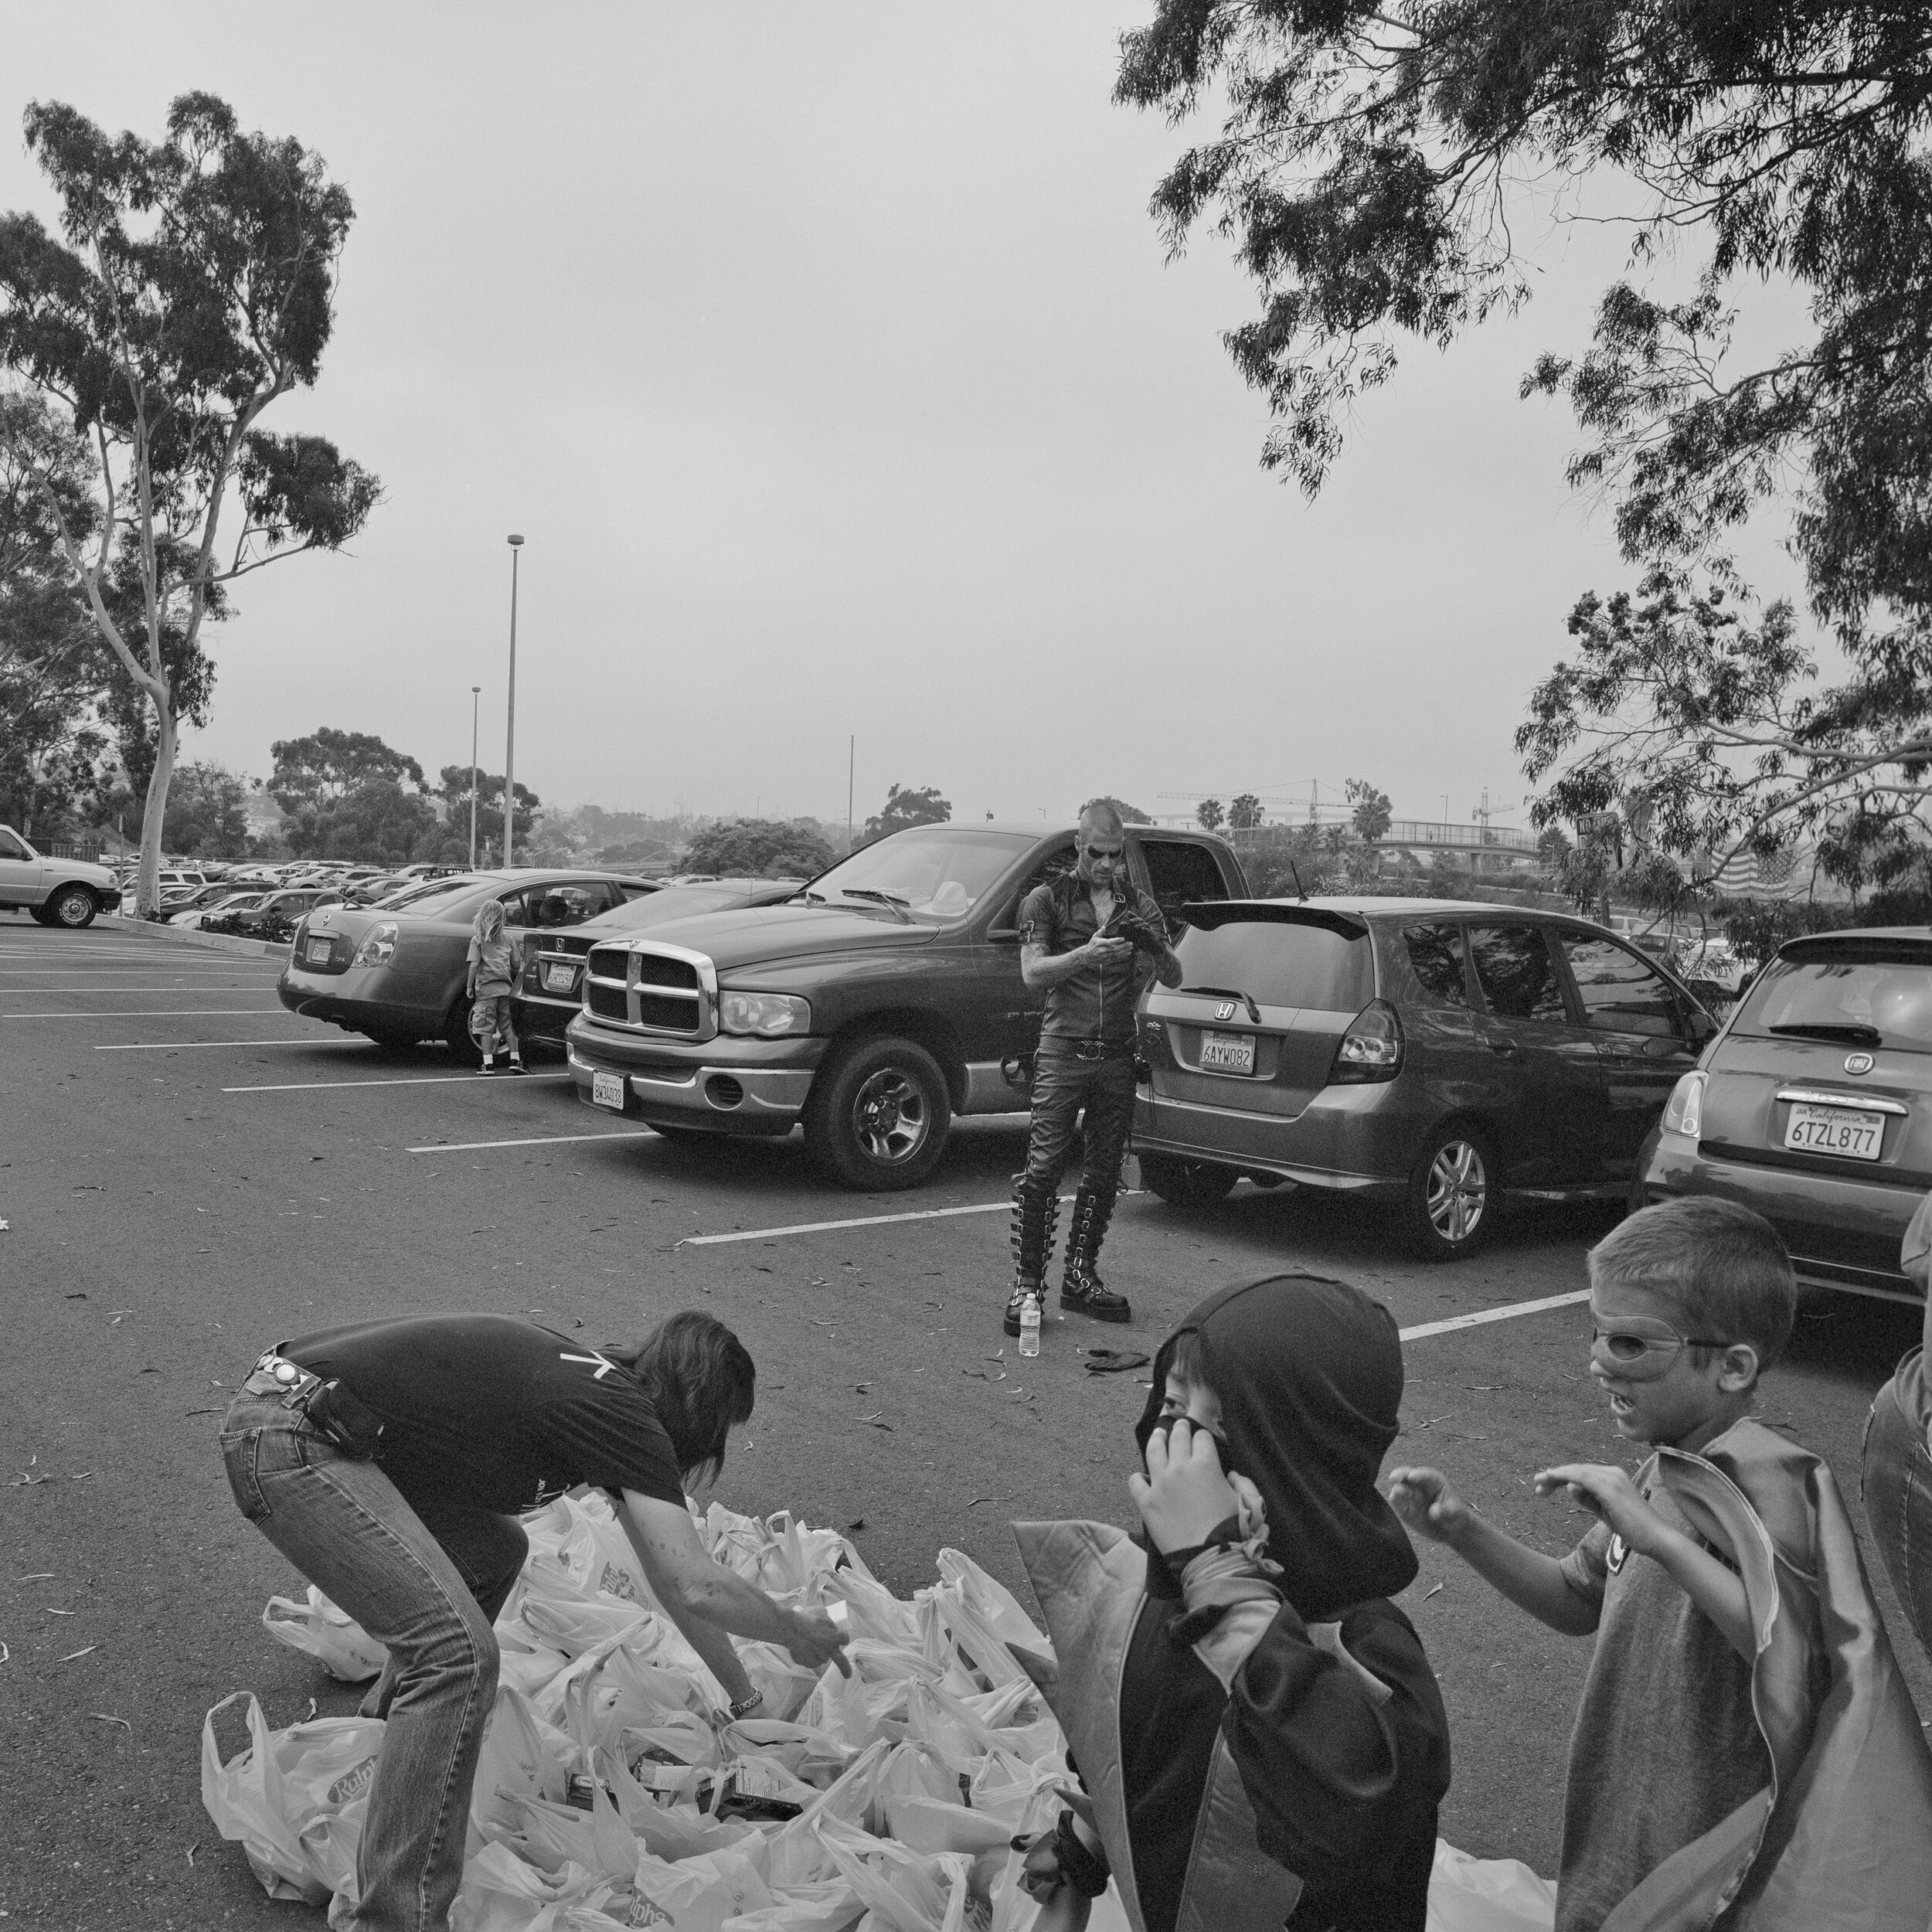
point(430, 1590)
point(1898, 1502)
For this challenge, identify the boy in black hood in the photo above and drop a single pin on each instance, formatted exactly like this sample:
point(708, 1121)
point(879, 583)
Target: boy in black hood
point(1261, 1735)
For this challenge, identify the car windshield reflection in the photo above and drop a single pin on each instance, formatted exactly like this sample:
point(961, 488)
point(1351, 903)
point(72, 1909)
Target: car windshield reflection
point(934, 874)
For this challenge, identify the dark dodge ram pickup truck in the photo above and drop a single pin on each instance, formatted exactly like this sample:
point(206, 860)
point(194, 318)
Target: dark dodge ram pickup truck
point(874, 1005)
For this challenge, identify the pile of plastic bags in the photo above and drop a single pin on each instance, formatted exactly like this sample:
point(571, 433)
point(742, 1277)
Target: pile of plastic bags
point(615, 1791)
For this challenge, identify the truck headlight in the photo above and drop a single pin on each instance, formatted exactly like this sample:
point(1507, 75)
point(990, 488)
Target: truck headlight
point(378, 947)
point(767, 1014)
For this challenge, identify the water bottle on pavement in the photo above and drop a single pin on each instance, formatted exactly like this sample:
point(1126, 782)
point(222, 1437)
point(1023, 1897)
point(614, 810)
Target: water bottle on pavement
point(1029, 1325)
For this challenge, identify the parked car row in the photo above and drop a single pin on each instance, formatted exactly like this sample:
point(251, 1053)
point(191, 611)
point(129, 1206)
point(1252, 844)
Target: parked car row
point(1437, 1056)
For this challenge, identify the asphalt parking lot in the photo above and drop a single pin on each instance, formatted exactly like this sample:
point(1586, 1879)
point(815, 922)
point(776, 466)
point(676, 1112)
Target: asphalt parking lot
point(188, 1173)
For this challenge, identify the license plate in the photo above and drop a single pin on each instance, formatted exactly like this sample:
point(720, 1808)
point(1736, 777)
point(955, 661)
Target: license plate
point(607, 1091)
point(1227, 1053)
point(1834, 1130)
point(559, 979)
point(318, 952)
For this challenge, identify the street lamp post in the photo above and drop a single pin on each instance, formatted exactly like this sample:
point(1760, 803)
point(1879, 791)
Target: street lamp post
point(476, 698)
point(509, 738)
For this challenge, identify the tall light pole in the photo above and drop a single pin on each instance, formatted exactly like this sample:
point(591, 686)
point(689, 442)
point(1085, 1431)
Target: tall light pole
point(509, 736)
point(476, 698)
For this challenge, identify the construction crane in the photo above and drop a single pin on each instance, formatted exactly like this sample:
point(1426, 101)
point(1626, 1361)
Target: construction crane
point(1315, 808)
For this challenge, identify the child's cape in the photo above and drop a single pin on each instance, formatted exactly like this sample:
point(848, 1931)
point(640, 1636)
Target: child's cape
point(1840, 1840)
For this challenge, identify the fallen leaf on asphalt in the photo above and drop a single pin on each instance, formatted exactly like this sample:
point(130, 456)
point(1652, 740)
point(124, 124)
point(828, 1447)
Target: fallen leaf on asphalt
point(857, 1523)
point(39, 1576)
point(980, 1373)
point(151, 1372)
point(82, 1477)
point(105, 1719)
point(204, 1412)
point(6, 1655)
point(1427, 1593)
point(79, 1294)
point(72, 1653)
point(51, 1612)
point(192, 1850)
point(977, 1500)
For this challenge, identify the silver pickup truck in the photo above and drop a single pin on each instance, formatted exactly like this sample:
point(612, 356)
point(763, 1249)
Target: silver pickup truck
point(58, 892)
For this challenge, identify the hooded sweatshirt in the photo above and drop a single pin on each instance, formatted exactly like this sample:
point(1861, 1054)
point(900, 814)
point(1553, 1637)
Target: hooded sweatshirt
point(1345, 1785)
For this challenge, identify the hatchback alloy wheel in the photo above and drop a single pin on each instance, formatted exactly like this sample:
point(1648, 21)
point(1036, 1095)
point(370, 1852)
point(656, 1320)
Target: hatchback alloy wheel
point(1452, 1199)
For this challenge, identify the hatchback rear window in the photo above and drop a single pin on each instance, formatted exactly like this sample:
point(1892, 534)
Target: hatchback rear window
point(1280, 964)
point(1875, 996)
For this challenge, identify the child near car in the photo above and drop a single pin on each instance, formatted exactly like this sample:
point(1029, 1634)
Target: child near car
point(1260, 1736)
point(494, 962)
point(1745, 1746)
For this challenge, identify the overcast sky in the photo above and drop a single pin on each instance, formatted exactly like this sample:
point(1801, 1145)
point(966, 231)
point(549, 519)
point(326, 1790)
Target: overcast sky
point(829, 362)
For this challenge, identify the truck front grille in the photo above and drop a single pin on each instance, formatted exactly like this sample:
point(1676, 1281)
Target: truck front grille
point(646, 990)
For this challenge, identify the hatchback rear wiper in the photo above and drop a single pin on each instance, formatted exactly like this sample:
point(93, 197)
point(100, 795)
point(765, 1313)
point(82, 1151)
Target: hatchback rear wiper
point(1855, 1032)
point(1226, 992)
point(891, 900)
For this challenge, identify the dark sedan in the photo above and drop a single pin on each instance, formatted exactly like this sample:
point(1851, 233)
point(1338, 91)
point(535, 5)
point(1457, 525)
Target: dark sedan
point(397, 971)
point(1813, 1106)
point(274, 916)
point(552, 991)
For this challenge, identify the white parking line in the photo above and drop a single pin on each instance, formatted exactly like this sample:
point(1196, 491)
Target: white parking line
point(412, 1079)
point(162, 1012)
point(127, 989)
point(862, 1221)
point(544, 1140)
point(182, 1046)
point(1482, 1315)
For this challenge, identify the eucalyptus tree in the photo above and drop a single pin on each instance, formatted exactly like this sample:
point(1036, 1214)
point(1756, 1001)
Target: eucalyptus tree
point(191, 286)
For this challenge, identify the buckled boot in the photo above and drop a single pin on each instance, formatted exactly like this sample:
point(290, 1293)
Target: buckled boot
point(1032, 1224)
point(1080, 1290)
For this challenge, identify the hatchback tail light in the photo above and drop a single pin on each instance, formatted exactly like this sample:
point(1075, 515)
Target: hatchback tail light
point(1371, 1049)
point(1684, 1111)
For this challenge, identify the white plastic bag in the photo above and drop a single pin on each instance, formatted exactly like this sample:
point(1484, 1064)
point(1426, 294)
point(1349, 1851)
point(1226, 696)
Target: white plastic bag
point(295, 1800)
point(1487, 1895)
point(331, 1636)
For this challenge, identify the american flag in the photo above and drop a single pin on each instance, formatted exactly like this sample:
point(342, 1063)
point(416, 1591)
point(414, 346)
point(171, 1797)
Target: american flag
point(1778, 876)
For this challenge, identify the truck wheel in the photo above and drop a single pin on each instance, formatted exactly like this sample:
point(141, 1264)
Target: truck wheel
point(73, 906)
point(878, 1115)
point(1185, 1184)
point(1450, 1210)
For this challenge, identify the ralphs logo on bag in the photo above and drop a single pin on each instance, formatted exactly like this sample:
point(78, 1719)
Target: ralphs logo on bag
point(617, 1583)
point(352, 1784)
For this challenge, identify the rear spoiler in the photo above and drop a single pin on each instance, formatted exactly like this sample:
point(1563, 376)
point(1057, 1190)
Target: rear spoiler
point(1210, 914)
point(1864, 948)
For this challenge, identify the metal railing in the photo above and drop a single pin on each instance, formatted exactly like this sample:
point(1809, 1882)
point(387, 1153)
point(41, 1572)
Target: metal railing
point(87, 851)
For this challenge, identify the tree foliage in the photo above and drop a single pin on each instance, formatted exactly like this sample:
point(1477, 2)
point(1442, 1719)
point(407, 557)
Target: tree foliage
point(1690, 725)
point(1378, 165)
point(324, 768)
point(206, 818)
point(193, 287)
point(1373, 814)
point(1245, 813)
point(455, 791)
point(905, 807)
point(1210, 814)
point(759, 849)
point(1130, 814)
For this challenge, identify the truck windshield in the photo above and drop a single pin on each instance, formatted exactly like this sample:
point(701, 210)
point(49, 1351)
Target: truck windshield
point(1880, 995)
point(933, 873)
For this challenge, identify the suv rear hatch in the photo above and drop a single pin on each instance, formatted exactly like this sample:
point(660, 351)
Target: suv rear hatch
point(1267, 993)
point(1827, 1070)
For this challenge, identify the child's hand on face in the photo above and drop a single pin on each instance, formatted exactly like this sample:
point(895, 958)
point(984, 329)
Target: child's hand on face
point(1423, 1500)
point(1609, 1495)
point(1184, 1498)
point(1254, 1510)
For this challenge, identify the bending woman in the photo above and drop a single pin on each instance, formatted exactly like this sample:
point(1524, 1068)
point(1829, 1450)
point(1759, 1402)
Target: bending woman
point(387, 1460)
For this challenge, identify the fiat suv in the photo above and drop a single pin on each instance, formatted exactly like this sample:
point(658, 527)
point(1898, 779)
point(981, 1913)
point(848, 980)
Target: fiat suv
point(1813, 1106)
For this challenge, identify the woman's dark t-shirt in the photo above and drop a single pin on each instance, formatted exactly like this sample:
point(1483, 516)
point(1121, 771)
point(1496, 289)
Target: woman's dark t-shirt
point(487, 1412)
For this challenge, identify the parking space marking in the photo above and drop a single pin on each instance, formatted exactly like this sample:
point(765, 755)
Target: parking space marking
point(176, 988)
point(542, 1140)
point(1482, 1315)
point(862, 1221)
point(161, 1012)
point(407, 1079)
point(182, 1046)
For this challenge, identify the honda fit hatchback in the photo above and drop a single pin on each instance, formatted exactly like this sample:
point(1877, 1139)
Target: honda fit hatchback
point(1813, 1106)
point(1432, 1055)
